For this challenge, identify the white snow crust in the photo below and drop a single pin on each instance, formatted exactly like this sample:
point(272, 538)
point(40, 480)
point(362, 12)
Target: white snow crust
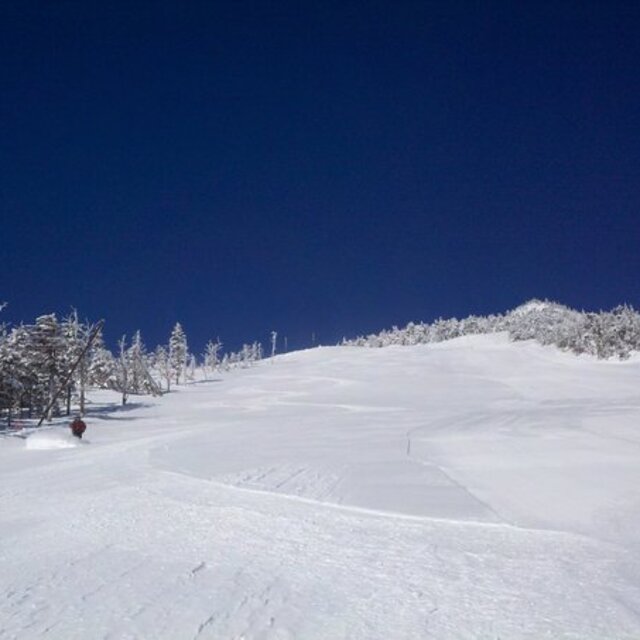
point(469, 489)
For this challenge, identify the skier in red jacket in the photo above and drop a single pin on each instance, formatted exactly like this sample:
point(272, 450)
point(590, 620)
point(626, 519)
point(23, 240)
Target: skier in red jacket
point(78, 427)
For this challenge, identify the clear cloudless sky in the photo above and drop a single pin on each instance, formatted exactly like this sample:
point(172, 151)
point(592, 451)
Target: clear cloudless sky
point(327, 167)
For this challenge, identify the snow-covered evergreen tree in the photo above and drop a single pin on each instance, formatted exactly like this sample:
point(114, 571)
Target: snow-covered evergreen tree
point(123, 370)
point(211, 358)
point(133, 375)
point(190, 371)
point(16, 377)
point(163, 365)
point(178, 351)
point(45, 355)
point(101, 368)
point(75, 338)
point(136, 355)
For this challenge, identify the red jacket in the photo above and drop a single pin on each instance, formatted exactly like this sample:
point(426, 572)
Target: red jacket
point(78, 427)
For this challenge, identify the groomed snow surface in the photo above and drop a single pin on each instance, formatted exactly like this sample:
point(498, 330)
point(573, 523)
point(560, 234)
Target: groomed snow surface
point(470, 489)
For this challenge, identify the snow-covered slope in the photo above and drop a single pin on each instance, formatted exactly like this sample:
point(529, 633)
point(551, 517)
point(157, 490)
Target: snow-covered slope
point(469, 489)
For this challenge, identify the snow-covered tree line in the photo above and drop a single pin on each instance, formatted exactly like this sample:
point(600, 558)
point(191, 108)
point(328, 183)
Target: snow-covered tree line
point(48, 365)
point(605, 334)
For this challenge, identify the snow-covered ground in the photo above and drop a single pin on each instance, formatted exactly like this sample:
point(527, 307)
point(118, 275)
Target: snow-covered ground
point(470, 489)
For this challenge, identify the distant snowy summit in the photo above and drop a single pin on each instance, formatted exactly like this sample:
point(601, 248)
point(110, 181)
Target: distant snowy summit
point(605, 334)
point(536, 306)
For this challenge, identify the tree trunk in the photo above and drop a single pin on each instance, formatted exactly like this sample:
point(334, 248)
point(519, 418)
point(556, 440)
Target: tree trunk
point(52, 389)
point(82, 387)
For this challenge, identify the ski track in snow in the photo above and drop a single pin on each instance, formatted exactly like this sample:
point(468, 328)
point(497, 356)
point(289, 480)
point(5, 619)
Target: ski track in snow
point(475, 489)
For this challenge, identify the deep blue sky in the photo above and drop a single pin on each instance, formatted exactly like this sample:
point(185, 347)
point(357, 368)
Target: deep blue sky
point(328, 167)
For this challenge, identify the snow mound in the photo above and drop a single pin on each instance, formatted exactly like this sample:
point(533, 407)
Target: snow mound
point(51, 440)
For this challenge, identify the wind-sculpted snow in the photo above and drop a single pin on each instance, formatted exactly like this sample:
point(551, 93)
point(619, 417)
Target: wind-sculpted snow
point(471, 489)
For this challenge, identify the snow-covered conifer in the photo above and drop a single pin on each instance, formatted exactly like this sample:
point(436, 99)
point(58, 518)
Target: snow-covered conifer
point(178, 351)
point(163, 365)
point(101, 368)
point(123, 369)
point(190, 372)
point(75, 338)
point(211, 358)
point(45, 354)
